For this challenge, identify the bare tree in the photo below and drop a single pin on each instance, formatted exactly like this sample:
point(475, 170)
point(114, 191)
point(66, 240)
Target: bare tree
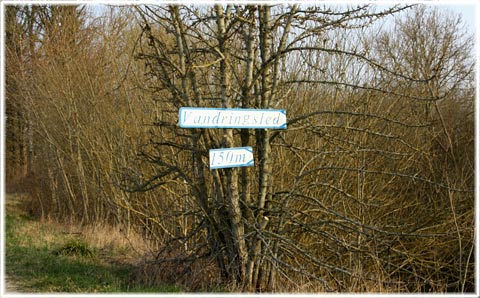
point(253, 57)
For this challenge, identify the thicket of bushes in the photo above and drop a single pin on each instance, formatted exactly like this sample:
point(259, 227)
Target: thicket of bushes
point(374, 192)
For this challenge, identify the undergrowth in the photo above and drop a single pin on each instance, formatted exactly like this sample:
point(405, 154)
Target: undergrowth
point(41, 258)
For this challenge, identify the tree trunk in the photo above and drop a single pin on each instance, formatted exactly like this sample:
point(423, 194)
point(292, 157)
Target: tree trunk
point(238, 258)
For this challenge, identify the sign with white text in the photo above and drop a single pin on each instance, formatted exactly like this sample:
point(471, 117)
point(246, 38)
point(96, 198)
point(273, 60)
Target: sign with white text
point(231, 157)
point(231, 118)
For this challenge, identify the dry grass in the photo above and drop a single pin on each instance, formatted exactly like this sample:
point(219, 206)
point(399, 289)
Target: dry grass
point(127, 245)
point(43, 256)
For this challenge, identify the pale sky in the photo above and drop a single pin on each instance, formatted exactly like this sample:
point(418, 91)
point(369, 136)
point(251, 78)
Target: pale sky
point(468, 13)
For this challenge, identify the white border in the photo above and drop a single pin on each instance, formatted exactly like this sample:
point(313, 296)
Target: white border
point(134, 2)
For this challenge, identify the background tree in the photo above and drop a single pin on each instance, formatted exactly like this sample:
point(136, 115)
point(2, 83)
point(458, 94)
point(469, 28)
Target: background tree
point(21, 36)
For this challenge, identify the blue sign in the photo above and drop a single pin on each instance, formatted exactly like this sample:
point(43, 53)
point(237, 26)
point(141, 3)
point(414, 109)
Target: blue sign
point(231, 118)
point(231, 157)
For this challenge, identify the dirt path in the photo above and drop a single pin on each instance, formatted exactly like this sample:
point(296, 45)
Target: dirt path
point(12, 202)
point(11, 287)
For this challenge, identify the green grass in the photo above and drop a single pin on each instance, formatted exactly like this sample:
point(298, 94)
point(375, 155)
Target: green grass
point(63, 263)
point(75, 247)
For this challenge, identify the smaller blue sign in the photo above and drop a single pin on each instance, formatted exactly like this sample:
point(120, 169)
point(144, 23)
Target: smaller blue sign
point(231, 157)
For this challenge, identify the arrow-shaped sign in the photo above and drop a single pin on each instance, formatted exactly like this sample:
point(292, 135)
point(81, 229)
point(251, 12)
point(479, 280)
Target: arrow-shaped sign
point(231, 157)
point(231, 118)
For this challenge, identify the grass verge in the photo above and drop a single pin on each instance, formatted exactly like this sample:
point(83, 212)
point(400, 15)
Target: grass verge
point(40, 258)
